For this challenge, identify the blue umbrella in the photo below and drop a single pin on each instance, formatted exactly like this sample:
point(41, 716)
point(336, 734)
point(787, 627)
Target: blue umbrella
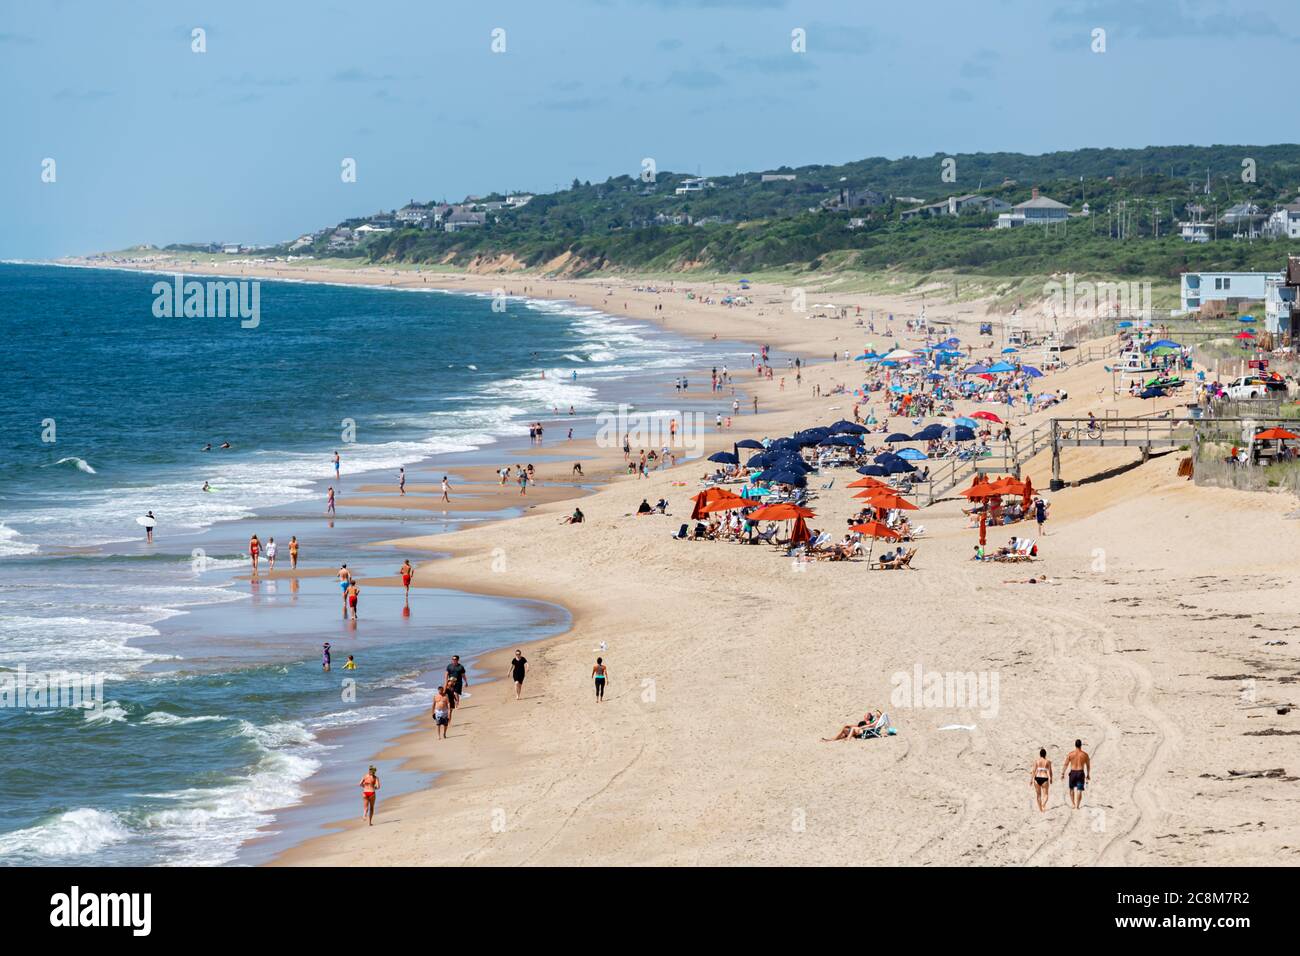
point(1125, 325)
point(959, 433)
point(1009, 350)
point(1001, 367)
point(874, 471)
point(1246, 318)
point(784, 477)
point(912, 454)
point(976, 369)
point(749, 443)
point(929, 433)
point(724, 458)
point(845, 427)
point(1031, 371)
point(847, 441)
point(898, 467)
point(1152, 393)
point(757, 461)
point(897, 437)
point(967, 422)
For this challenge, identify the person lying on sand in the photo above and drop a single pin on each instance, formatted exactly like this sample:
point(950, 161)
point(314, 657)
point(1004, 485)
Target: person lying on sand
point(872, 725)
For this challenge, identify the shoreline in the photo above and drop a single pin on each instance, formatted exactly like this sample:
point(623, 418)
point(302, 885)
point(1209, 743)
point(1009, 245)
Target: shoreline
point(726, 667)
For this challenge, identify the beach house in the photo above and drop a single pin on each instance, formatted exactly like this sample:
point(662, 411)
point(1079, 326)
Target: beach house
point(1230, 288)
point(1284, 223)
point(462, 219)
point(972, 203)
point(1035, 211)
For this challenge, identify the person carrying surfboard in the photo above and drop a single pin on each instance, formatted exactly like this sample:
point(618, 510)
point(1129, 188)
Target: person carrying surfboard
point(148, 521)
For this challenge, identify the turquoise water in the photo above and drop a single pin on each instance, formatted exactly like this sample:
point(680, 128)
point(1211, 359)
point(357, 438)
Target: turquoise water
point(216, 714)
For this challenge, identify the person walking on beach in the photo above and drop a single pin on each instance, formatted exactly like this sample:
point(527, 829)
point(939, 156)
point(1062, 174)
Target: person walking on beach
point(523, 482)
point(401, 481)
point(1079, 766)
point(518, 667)
point(344, 577)
point(254, 549)
point(1040, 513)
point(336, 466)
point(407, 572)
point(293, 552)
point(599, 674)
point(329, 501)
point(270, 554)
point(353, 592)
point(369, 784)
point(325, 656)
point(441, 711)
point(458, 678)
point(1040, 778)
point(445, 489)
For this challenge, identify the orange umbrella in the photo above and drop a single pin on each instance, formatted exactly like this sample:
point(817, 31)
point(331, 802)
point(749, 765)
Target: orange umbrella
point(1276, 434)
point(874, 530)
point(709, 495)
point(889, 501)
point(1029, 492)
point(799, 533)
point(722, 504)
point(867, 482)
point(980, 490)
point(782, 511)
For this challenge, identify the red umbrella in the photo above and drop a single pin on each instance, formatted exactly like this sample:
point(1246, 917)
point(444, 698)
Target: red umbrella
point(867, 482)
point(799, 533)
point(782, 511)
point(1275, 434)
point(1245, 335)
point(879, 498)
point(709, 495)
point(984, 527)
point(874, 530)
point(988, 417)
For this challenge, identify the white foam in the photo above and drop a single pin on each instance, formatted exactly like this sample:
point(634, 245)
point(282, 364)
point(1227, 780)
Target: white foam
point(77, 832)
point(10, 546)
point(74, 643)
point(168, 720)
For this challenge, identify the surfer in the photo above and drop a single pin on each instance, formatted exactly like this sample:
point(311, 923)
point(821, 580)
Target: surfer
point(148, 521)
point(206, 486)
point(225, 444)
point(207, 447)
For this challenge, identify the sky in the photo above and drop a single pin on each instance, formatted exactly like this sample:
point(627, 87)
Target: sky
point(153, 142)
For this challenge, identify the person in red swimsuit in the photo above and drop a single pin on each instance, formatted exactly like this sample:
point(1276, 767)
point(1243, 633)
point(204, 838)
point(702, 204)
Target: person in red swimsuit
point(407, 572)
point(254, 549)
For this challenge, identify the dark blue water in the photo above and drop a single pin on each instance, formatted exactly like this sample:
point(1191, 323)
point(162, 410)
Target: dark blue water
point(216, 713)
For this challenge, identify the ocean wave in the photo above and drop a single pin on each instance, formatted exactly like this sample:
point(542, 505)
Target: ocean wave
point(77, 832)
point(165, 719)
point(10, 546)
point(75, 643)
point(110, 712)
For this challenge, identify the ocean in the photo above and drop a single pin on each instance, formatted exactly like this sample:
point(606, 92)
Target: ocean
point(218, 719)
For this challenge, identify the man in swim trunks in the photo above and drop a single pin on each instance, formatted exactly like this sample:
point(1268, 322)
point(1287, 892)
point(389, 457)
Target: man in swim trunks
point(353, 592)
point(518, 666)
point(369, 784)
point(336, 466)
point(459, 680)
point(1079, 766)
point(442, 711)
point(1040, 778)
point(344, 577)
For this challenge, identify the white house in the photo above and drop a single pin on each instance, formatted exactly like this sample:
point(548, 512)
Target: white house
point(1035, 211)
point(1198, 288)
point(696, 185)
point(1284, 223)
point(777, 178)
point(956, 205)
point(368, 229)
point(519, 199)
point(1279, 299)
point(231, 248)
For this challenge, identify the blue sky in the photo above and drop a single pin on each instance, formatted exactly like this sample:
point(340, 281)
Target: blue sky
point(155, 143)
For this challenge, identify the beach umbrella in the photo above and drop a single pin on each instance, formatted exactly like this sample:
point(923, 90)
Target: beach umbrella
point(929, 433)
point(1244, 334)
point(845, 427)
point(898, 467)
point(975, 369)
point(724, 458)
point(1246, 318)
point(799, 533)
point(885, 457)
point(867, 482)
point(874, 530)
point(987, 416)
point(781, 511)
point(749, 443)
point(1009, 351)
point(1152, 393)
point(1163, 343)
point(967, 422)
point(897, 437)
point(757, 461)
point(912, 454)
point(723, 504)
point(873, 471)
point(1125, 325)
point(886, 499)
point(1276, 434)
point(900, 355)
point(959, 433)
point(1031, 371)
point(783, 476)
point(850, 441)
point(709, 495)
point(984, 528)
point(1001, 367)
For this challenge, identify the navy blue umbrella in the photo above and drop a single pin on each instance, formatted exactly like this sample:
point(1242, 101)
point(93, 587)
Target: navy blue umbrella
point(885, 457)
point(898, 436)
point(724, 458)
point(784, 476)
point(1152, 393)
point(959, 433)
point(749, 443)
point(898, 466)
point(846, 427)
point(929, 433)
point(851, 441)
point(875, 471)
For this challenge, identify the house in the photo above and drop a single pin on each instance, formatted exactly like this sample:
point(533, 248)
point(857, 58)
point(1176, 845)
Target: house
point(231, 248)
point(1245, 219)
point(1231, 288)
point(680, 219)
point(1284, 223)
point(1196, 229)
point(415, 216)
point(777, 178)
point(519, 200)
point(696, 185)
point(462, 219)
point(853, 199)
point(342, 238)
point(1279, 305)
point(301, 241)
point(857, 223)
point(369, 229)
point(1035, 211)
point(958, 205)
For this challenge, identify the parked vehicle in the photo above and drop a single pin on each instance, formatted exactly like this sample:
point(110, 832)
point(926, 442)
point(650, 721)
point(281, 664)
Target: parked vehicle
point(1256, 386)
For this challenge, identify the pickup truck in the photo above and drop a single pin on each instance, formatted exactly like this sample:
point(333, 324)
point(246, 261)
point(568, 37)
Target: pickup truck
point(1255, 386)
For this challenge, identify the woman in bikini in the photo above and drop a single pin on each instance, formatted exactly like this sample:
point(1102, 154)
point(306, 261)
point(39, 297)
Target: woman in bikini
point(1040, 778)
point(293, 552)
point(369, 784)
point(598, 674)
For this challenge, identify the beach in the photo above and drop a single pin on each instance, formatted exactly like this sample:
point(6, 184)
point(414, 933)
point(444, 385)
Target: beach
point(1159, 638)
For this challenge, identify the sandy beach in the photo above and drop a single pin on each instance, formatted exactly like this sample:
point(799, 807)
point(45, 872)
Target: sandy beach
point(1164, 638)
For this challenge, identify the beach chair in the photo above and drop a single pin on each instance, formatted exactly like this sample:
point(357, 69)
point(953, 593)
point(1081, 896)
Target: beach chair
point(827, 486)
point(1021, 552)
point(766, 537)
point(681, 534)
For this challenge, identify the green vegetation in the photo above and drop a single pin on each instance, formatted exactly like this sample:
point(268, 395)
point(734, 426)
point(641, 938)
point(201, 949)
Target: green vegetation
point(751, 226)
